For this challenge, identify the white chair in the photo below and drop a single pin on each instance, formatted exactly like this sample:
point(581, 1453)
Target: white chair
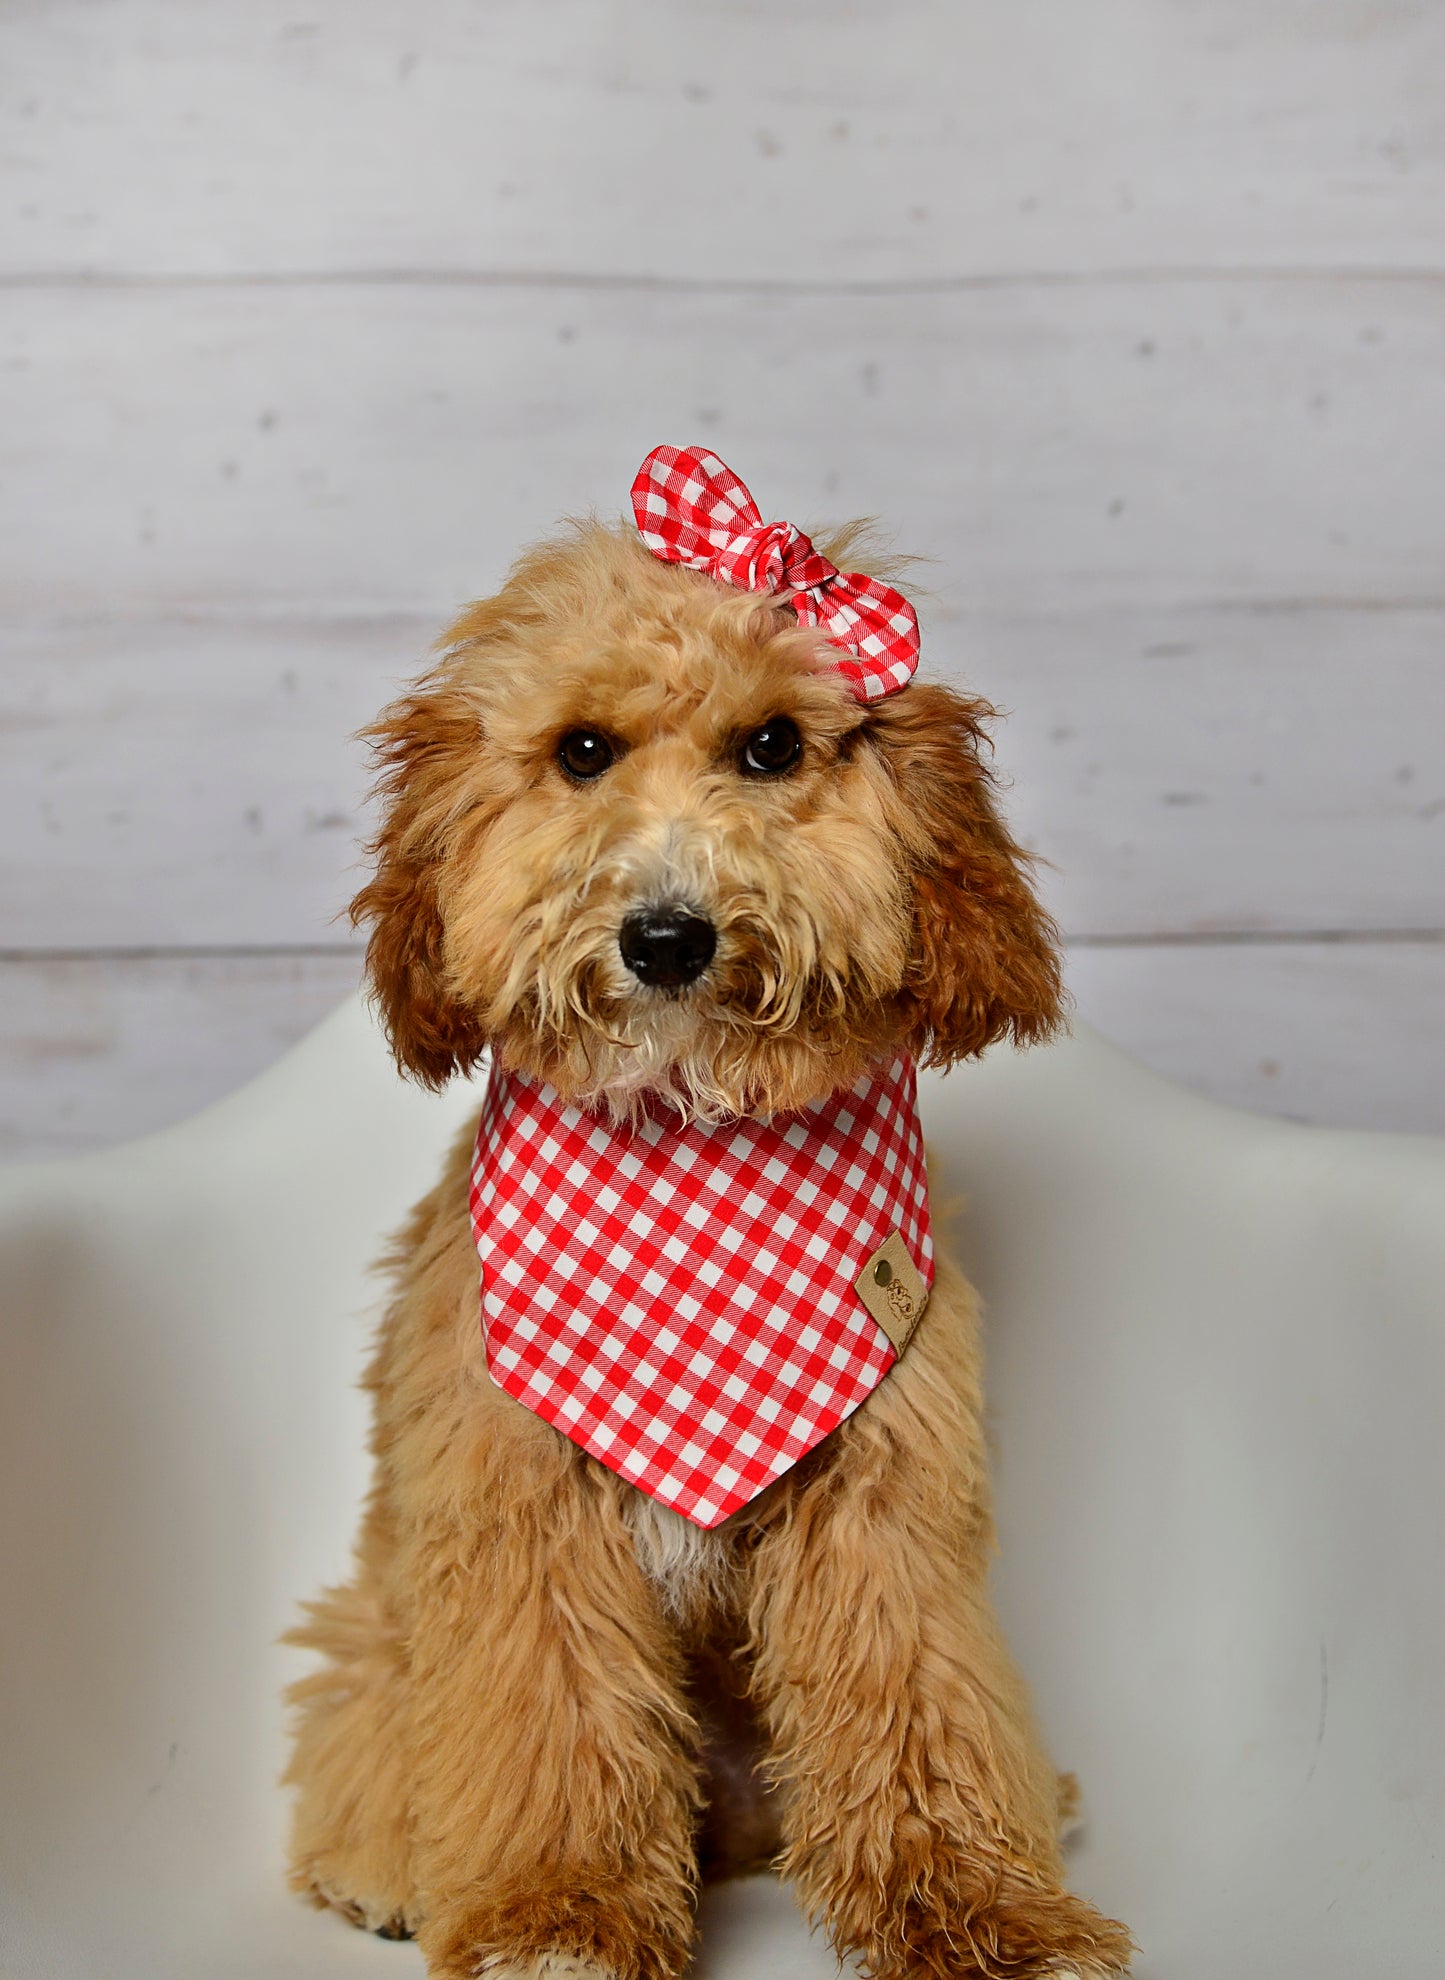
point(1218, 1380)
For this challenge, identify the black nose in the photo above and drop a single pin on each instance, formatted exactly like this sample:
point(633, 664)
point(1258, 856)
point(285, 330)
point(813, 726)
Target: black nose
point(666, 947)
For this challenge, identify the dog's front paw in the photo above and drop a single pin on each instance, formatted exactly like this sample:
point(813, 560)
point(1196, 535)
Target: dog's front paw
point(552, 1935)
point(381, 1915)
point(546, 1966)
point(1023, 1932)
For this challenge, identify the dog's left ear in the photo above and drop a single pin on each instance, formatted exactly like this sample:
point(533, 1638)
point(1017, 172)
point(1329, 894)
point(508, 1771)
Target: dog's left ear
point(985, 958)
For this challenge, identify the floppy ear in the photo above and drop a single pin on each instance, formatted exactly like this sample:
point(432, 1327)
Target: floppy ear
point(984, 959)
point(424, 743)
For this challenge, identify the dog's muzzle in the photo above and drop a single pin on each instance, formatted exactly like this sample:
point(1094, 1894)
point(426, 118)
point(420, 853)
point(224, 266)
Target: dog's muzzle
point(667, 947)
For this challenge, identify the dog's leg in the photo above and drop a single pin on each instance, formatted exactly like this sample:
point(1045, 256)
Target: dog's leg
point(920, 1813)
point(554, 1773)
point(350, 1847)
point(738, 1832)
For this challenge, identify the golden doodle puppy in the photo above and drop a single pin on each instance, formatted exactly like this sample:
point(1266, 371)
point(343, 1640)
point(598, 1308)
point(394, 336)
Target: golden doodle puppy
point(675, 1561)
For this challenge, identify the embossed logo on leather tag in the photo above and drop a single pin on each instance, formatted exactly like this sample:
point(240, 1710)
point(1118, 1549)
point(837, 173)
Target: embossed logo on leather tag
point(893, 1290)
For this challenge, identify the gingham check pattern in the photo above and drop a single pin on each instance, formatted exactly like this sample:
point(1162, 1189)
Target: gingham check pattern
point(680, 1300)
point(691, 509)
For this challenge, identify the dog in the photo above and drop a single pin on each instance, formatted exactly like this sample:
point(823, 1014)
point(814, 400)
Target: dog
point(671, 836)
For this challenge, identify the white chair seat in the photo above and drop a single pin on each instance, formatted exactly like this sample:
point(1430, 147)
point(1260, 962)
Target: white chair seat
point(1217, 1370)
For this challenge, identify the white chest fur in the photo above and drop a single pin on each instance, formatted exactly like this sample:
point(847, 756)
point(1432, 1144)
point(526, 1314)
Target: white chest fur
point(688, 1562)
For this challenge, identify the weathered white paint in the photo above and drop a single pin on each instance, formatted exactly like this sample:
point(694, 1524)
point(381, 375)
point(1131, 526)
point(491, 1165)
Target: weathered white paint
point(817, 141)
point(196, 781)
point(1227, 769)
point(1351, 1033)
point(93, 1051)
point(188, 781)
point(388, 448)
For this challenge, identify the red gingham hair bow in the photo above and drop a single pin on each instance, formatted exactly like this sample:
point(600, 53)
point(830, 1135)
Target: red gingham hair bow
point(693, 510)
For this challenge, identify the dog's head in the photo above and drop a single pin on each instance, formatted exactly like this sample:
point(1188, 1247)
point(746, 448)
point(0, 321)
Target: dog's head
point(638, 837)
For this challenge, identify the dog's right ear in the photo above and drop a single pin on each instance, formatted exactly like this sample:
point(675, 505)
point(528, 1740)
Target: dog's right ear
point(424, 744)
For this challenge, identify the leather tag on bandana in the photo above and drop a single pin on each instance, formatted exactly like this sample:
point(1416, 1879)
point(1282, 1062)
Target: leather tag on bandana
point(893, 1290)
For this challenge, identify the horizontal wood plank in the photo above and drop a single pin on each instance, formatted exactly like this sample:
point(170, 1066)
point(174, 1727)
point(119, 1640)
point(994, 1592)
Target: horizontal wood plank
point(195, 781)
point(1209, 770)
point(388, 449)
point(1349, 1034)
point(187, 782)
point(95, 1050)
point(678, 139)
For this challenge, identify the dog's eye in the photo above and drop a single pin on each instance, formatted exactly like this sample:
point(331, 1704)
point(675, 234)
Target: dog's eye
point(771, 750)
point(585, 754)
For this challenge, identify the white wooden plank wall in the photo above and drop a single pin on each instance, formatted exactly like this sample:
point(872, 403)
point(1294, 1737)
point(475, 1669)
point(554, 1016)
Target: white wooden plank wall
point(1131, 317)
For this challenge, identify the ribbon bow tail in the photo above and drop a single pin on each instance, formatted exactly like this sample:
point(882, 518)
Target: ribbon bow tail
point(877, 628)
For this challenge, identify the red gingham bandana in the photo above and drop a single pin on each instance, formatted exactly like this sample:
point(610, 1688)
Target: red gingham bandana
point(680, 1299)
point(691, 509)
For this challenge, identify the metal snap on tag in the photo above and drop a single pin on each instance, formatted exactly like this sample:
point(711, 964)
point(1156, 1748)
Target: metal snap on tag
point(893, 1290)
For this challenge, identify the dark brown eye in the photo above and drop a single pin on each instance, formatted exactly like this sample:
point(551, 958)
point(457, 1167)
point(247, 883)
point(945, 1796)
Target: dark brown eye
point(585, 754)
point(772, 750)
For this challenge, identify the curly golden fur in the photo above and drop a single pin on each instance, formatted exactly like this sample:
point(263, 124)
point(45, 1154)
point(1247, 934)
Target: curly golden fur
point(547, 1705)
